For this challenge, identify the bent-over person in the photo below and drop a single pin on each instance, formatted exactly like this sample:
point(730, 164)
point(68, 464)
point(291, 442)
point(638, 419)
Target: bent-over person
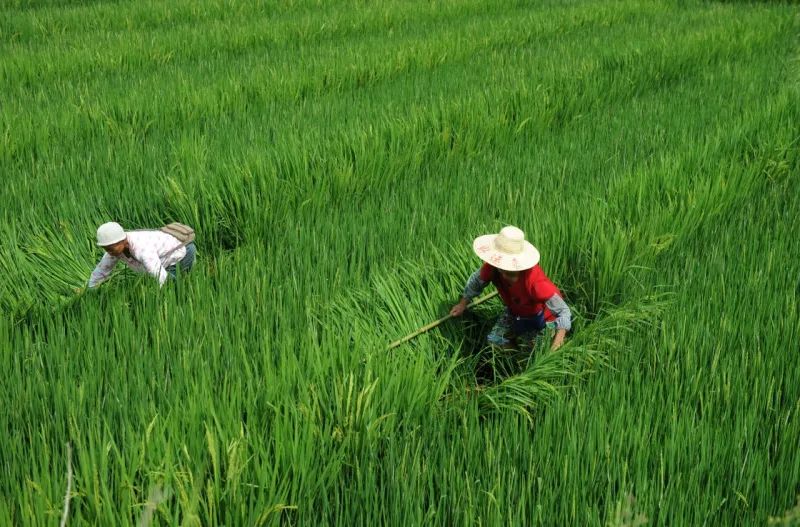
point(532, 301)
point(155, 252)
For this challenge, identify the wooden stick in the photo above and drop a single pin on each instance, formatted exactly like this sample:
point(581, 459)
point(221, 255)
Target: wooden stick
point(432, 325)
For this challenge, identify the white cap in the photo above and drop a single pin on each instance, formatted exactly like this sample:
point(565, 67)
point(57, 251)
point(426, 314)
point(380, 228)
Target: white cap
point(109, 234)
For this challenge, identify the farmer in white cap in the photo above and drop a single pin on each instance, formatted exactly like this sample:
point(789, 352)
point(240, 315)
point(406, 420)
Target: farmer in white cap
point(532, 301)
point(157, 252)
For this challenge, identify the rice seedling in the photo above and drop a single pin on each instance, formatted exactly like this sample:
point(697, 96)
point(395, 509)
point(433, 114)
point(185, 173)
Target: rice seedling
point(337, 160)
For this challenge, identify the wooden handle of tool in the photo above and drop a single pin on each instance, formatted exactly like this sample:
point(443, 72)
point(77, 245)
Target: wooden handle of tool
point(432, 325)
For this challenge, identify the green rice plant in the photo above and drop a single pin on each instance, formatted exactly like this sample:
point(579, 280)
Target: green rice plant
point(337, 160)
point(790, 517)
point(547, 374)
point(625, 514)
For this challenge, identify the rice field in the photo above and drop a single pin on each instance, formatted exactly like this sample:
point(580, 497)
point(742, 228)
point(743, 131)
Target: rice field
point(336, 160)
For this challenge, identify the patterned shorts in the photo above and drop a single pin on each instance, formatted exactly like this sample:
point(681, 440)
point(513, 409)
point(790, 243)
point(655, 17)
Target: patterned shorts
point(510, 329)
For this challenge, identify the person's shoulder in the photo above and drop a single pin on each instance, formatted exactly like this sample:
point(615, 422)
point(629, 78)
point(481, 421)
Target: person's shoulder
point(487, 272)
point(146, 234)
point(144, 239)
point(539, 282)
point(135, 238)
point(136, 234)
point(535, 275)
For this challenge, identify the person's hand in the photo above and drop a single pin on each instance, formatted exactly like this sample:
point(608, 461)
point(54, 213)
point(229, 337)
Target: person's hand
point(459, 308)
point(558, 339)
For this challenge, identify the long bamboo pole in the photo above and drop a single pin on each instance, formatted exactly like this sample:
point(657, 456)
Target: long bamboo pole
point(432, 325)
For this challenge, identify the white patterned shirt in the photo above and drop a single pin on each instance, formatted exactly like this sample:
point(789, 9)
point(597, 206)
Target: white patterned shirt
point(151, 252)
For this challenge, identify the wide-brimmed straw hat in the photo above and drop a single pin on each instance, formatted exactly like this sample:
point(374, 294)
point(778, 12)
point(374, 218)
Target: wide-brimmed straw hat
point(508, 250)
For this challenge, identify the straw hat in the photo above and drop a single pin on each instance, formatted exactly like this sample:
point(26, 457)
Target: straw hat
point(507, 251)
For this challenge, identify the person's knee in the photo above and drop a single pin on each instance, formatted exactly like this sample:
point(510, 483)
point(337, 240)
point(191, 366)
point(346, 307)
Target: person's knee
point(188, 261)
point(497, 340)
point(493, 340)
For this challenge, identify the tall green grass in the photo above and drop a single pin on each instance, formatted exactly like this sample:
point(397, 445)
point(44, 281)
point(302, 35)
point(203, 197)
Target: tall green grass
point(336, 160)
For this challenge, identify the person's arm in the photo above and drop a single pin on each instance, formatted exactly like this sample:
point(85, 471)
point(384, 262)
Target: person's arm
point(102, 271)
point(473, 288)
point(563, 315)
point(152, 263)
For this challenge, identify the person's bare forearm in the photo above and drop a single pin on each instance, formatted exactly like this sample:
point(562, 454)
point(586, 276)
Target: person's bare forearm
point(558, 339)
point(459, 308)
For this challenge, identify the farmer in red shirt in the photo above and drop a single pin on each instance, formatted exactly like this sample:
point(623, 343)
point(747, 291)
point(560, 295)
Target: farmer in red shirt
point(532, 301)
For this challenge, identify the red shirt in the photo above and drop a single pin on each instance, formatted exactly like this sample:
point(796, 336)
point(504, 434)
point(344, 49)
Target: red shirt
point(526, 296)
